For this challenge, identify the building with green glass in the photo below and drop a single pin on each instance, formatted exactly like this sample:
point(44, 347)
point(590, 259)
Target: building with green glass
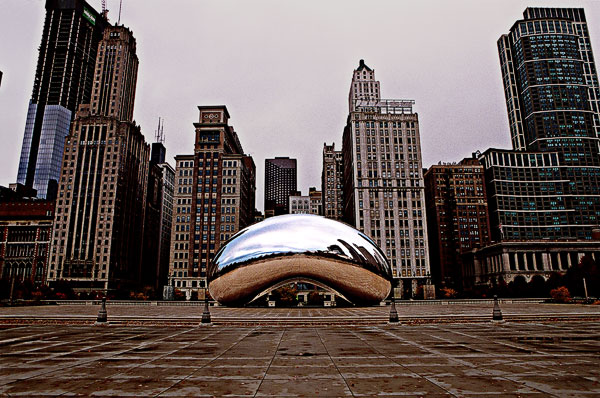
point(544, 194)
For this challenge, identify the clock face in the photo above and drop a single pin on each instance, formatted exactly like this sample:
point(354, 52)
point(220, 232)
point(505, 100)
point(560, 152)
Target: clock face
point(211, 117)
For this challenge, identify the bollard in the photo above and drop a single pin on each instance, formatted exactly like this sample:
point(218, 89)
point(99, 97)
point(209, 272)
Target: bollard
point(12, 289)
point(102, 318)
point(497, 313)
point(393, 312)
point(206, 313)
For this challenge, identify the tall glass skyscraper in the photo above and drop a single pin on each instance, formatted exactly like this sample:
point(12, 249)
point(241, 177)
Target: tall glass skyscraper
point(544, 194)
point(552, 98)
point(63, 80)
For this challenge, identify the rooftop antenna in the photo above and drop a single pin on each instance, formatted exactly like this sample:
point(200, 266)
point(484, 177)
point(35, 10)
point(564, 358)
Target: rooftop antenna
point(104, 10)
point(160, 131)
point(120, 5)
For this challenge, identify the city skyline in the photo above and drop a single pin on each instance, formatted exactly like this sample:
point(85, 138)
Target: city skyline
point(300, 96)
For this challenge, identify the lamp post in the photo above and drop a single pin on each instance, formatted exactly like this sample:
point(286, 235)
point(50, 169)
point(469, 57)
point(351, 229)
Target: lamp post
point(206, 313)
point(393, 312)
point(497, 313)
point(102, 317)
point(12, 289)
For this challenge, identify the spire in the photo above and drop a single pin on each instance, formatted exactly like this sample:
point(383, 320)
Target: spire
point(159, 134)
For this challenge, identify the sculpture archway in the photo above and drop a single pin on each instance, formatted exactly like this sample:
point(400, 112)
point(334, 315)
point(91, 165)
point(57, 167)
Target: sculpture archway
point(304, 247)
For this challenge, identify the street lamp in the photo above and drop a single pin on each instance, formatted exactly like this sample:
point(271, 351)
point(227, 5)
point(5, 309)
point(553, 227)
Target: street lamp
point(206, 313)
point(393, 312)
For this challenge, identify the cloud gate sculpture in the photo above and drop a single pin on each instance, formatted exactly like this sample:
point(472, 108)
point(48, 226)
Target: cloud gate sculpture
point(299, 247)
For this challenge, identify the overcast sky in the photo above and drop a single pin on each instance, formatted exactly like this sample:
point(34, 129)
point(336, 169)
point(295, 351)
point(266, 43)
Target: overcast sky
point(284, 68)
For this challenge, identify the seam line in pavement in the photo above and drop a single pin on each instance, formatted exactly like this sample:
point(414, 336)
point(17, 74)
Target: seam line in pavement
point(209, 362)
point(396, 362)
point(334, 364)
point(271, 361)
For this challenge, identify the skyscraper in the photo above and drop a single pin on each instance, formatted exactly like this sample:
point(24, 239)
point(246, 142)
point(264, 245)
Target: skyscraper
point(280, 183)
point(214, 198)
point(159, 217)
point(100, 209)
point(544, 194)
point(331, 182)
point(63, 81)
point(383, 178)
point(552, 98)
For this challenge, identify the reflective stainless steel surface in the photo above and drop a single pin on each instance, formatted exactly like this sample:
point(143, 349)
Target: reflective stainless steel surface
point(293, 246)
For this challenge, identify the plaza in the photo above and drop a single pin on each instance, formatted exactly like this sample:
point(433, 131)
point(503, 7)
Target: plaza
point(530, 358)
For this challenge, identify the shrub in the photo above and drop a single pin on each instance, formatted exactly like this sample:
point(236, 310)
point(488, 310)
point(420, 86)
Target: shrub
point(37, 295)
point(178, 295)
point(448, 293)
point(560, 294)
point(419, 293)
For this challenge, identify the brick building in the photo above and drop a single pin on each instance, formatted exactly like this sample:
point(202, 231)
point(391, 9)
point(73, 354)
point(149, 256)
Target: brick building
point(25, 230)
point(457, 217)
point(214, 198)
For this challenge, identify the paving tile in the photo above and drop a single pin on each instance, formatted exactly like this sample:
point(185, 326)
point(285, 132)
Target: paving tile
point(155, 372)
point(364, 361)
point(475, 385)
point(212, 388)
point(142, 387)
point(447, 370)
point(322, 360)
point(229, 373)
point(304, 388)
point(374, 371)
point(302, 372)
point(392, 385)
point(45, 386)
point(564, 386)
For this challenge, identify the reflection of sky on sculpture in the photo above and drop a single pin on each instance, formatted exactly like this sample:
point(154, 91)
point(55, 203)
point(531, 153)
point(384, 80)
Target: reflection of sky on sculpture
point(300, 233)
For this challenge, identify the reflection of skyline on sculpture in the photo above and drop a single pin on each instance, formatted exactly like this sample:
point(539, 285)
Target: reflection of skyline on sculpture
point(300, 234)
point(299, 247)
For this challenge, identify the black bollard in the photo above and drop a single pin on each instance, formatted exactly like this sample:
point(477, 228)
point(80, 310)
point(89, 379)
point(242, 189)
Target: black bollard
point(206, 313)
point(102, 318)
point(393, 312)
point(497, 313)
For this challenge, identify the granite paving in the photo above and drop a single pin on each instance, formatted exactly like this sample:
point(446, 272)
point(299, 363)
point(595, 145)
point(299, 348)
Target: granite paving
point(405, 308)
point(495, 359)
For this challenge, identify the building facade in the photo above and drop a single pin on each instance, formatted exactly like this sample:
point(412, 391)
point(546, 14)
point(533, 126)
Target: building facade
point(179, 260)
point(383, 179)
point(158, 218)
point(166, 222)
point(316, 201)
point(457, 217)
point(299, 204)
point(544, 194)
point(552, 94)
point(100, 209)
point(280, 183)
point(214, 198)
point(63, 81)
point(331, 182)
point(25, 231)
